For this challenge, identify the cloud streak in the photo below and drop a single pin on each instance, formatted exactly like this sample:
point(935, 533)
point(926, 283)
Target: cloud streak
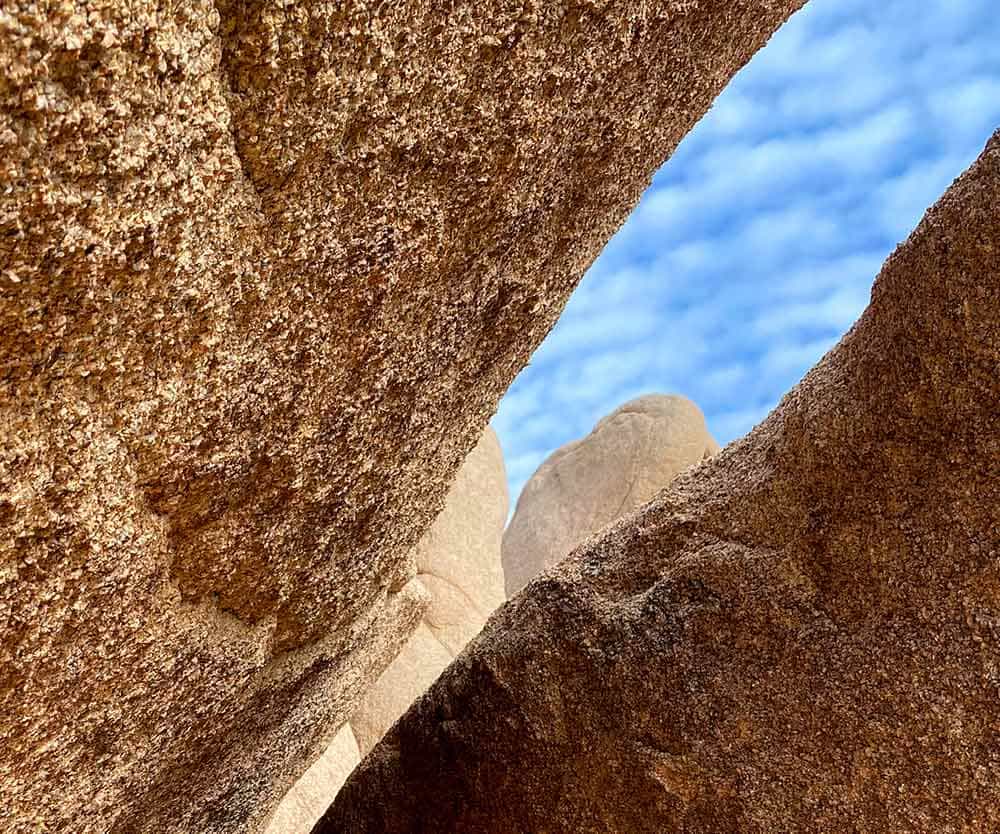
point(755, 248)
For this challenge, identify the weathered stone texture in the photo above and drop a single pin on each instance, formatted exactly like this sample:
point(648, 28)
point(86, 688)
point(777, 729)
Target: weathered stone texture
point(801, 634)
point(631, 454)
point(265, 271)
point(458, 565)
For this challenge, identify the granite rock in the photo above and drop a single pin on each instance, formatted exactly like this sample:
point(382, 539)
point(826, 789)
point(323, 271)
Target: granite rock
point(265, 271)
point(309, 797)
point(630, 455)
point(799, 635)
point(458, 563)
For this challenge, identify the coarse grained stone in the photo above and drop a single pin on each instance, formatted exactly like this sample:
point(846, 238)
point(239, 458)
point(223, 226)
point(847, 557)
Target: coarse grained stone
point(458, 563)
point(265, 271)
point(799, 635)
point(310, 795)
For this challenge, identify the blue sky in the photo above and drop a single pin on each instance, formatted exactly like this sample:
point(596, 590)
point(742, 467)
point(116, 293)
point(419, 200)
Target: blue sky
point(756, 246)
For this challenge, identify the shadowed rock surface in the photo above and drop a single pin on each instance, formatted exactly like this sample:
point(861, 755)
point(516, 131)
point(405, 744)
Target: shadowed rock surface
point(265, 271)
point(801, 634)
point(458, 564)
point(630, 455)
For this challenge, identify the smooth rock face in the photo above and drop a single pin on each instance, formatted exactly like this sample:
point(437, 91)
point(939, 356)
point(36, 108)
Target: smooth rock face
point(413, 670)
point(458, 565)
point(630, 455)
point(799, 635)
point(458, 562)
point(311, 794)
point(265, 271)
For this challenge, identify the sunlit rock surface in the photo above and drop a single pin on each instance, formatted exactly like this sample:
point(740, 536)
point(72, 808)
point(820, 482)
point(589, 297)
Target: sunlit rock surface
point(265, 271)
point(630, 455)
point(801, 634)
point(311, 794)
point(458, 562)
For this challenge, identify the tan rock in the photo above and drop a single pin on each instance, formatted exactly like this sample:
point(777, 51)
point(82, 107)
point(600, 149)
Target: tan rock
point(305, 803)
point(458, 558)
point(458, 567)
point(799, 635)
point(412, 671)
point(630, 455)
point(458, 562)
point(265, 271)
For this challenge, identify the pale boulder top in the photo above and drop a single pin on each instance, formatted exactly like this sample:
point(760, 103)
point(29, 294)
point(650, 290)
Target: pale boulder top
point(629, 456)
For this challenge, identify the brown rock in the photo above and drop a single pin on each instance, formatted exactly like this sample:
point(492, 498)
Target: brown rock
point(265, 271)
point(630, 455)
point(799, 635)
point(411, 672)
point(458, 562)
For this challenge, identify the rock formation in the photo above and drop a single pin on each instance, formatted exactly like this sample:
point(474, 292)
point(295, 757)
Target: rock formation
point(630, 455)
point(265, 271)
point(802, 634)
point(311, 794)
point(458, 562)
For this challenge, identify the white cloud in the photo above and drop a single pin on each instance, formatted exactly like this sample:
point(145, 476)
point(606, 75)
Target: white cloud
point(795, 357)
point(756, 246)
point(901, 201)
point(835, 311)
point(726, 377)
point(968, 107)
point(730, 425)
